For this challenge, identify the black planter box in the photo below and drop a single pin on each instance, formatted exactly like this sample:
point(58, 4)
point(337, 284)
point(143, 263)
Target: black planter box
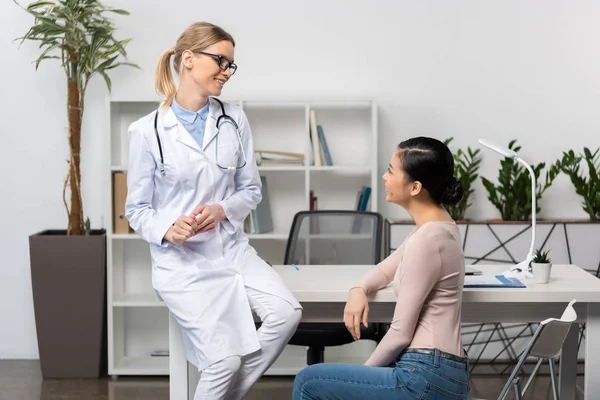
point(68, 276)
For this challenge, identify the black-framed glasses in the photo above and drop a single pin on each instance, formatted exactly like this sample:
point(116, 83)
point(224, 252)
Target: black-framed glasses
point(223, 62)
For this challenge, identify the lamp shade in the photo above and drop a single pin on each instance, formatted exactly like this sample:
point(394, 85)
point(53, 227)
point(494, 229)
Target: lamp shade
point(505, 152)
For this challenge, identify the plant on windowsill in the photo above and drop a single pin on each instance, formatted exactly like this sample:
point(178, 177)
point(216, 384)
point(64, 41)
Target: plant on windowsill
point(466, 165)
point(512, 195)
point(587, 187)
point(68, 267)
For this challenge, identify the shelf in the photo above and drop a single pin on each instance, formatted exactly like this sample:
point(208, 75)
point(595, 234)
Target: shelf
point(267, 105)
point(126, 236)
point(299, 168)
point(271, 236)
point(142, 366)
point(345, 169)
point(338, 236)
point(341, 105)
point(137, 300)
point(137, 318)
point(121, 168)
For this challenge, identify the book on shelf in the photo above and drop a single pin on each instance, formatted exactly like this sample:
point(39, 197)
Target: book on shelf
point(362, 200)
point(314, 139)
point(320, 150)
point(120, 223)
point(260, 219)
point(274, 157)
point(326, 156)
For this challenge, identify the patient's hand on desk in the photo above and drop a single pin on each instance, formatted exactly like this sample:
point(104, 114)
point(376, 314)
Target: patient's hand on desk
point(357, 307)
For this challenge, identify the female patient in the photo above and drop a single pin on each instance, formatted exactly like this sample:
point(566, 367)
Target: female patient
point(421, 356)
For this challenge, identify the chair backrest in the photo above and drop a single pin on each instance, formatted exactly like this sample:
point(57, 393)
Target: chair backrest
point(551, 333)
point(341, 237)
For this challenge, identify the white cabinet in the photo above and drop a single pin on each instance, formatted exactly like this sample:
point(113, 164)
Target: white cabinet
point(137, 320)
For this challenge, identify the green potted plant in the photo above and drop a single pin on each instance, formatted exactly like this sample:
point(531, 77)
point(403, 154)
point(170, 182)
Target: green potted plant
point(587, 187)
point(541, 265)
point(512, 195)
point(68, 266)
point(466, 166)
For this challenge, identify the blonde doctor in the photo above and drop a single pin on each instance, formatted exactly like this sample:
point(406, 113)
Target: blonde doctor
point(192, 180)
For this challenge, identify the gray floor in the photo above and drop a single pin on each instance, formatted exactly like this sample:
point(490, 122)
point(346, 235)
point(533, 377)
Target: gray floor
point(21, 380)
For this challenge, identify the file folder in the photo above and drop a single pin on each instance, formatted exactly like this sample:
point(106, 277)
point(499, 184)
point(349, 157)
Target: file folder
point(492, 281)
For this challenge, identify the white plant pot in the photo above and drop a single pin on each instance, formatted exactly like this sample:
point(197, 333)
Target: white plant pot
point(541, 272)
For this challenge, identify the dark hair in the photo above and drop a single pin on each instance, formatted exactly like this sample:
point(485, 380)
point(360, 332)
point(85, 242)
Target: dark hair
point(430, 162)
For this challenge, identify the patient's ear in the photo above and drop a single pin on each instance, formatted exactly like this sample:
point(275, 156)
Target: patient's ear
point(415, 188)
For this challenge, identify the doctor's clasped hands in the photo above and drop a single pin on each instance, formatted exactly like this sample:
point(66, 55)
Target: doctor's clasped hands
point(203, 219)
point(208, 216)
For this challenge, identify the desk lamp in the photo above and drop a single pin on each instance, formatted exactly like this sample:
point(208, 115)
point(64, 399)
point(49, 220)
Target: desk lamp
point(522, 268)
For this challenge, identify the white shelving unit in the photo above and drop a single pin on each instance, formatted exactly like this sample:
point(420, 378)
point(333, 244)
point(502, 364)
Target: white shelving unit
point(138, 321)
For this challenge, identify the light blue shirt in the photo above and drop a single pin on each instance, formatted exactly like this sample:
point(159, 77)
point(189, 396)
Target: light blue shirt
point(193, 122)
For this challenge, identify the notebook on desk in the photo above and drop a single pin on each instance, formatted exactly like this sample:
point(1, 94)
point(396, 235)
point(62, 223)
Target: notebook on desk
point(492, 281)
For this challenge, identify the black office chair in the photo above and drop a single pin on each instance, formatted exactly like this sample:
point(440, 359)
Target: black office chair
point(340, 238)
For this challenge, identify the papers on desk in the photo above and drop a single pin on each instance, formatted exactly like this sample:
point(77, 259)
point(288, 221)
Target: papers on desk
point(492, 281)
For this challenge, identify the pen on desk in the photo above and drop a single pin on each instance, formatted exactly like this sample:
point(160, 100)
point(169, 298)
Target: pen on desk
point(295, 267)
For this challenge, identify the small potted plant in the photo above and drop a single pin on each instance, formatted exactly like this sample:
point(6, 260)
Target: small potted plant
point(541, 265)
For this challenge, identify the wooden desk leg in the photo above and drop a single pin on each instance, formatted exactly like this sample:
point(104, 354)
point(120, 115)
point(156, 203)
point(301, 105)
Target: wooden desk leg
point(592, 352)
point(178, 365)
point(567, 369)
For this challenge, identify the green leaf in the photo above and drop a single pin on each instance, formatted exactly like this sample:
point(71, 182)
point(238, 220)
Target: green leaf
point(117, 11)
point(106, 79)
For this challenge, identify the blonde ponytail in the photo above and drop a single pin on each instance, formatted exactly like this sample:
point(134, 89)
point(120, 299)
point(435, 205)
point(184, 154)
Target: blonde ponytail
point(165, 85)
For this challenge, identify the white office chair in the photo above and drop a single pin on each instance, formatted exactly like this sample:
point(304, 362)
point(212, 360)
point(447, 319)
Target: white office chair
point(545, 344)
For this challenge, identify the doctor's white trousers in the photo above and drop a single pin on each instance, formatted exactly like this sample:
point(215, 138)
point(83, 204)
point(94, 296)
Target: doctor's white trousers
point(232, 377)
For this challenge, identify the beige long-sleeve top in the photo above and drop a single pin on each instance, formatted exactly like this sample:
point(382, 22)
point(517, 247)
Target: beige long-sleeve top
point(427, 271)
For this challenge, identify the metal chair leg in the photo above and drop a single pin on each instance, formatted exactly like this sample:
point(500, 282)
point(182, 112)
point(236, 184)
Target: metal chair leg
point(553, 378)
point(533, 373)
point(513, 374)
point(515, 383)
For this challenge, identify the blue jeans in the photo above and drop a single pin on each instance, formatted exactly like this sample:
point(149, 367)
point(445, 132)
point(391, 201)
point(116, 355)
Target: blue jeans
point(416, 375)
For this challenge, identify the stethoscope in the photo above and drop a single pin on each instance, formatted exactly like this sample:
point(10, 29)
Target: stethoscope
point(223, 119)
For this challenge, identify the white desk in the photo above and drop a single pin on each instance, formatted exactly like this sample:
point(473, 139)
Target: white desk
point(323, 291)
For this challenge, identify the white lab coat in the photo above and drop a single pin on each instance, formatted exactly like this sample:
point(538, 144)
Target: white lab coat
point(201, 281)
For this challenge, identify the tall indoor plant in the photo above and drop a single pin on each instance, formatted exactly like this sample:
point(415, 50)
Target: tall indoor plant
point(77, 33)
point(68, 267)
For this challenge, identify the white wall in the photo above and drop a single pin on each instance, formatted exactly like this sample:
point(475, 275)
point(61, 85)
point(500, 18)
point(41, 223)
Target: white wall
point(499, 70)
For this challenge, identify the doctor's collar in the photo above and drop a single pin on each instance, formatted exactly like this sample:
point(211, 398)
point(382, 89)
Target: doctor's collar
point(188, 115)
